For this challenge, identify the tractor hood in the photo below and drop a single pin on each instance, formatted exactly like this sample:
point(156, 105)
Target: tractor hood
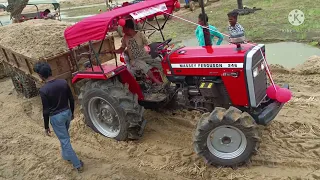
point(193, 57)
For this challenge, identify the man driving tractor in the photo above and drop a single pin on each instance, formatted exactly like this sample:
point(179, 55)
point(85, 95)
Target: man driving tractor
point(134, 43)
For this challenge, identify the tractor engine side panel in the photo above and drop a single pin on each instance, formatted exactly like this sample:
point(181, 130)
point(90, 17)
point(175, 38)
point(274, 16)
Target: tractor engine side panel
point(222, 61)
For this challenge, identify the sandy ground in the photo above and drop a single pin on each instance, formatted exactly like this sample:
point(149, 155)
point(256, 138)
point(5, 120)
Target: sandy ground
point(290, 145)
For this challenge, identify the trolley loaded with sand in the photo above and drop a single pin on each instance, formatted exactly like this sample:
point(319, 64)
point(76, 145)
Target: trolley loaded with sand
point(23, 44)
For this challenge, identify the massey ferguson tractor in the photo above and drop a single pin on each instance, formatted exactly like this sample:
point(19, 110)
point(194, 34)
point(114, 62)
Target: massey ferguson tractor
point(228, 83)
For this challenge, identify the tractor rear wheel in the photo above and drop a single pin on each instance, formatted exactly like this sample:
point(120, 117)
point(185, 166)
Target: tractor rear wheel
point(111, 109)
point(226, 137)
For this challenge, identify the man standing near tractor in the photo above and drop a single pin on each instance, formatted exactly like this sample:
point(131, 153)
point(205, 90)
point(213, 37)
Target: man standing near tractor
point(56, 96)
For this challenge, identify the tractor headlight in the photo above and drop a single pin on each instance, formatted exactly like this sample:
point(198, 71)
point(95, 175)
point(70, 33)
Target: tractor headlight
point(255, 72)
point(262, 66)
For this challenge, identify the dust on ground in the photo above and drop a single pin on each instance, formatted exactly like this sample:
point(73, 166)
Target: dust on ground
point(35, 38)
point(290, 146)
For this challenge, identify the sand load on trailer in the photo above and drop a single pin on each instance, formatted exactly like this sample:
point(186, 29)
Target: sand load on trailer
point(35, 38)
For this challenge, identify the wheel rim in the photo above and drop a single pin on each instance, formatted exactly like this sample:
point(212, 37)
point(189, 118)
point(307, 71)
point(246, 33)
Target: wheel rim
point(104, 117)
point(226, 142)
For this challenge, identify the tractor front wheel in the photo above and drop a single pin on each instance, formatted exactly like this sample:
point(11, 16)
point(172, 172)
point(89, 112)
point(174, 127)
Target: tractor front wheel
point(226, 138)
point(111, 109)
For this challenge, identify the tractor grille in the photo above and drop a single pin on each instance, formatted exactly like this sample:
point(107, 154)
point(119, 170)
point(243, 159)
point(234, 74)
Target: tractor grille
point(256, 75)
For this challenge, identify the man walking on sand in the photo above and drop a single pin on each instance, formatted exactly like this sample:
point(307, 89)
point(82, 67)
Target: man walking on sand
point(56, 96)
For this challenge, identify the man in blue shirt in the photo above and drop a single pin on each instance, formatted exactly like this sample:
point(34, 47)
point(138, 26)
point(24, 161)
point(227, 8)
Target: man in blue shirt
point(56, 96)
point(213, 31)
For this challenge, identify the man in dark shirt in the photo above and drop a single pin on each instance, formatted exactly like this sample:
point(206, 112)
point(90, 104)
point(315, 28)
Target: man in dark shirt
point(56, 96)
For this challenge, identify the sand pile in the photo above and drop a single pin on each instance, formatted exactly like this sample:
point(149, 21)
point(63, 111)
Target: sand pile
point(311, 66)
point(35, 38)
point(277, 68)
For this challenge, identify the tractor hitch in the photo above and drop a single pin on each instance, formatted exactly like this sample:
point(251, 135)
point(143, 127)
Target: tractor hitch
point(270, 111)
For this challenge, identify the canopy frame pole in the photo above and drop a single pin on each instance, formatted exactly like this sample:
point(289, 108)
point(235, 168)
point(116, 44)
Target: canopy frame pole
point(96, 56)
point(159, 28)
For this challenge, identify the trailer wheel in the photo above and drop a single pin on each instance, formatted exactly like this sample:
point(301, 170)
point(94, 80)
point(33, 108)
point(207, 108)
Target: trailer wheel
point(111, 109)
point(15, 78)
point(192, 5)
point(30, 89)
point(119, 31)
point(226, 137)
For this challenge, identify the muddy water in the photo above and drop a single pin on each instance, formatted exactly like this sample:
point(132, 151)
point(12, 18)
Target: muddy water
point(287, 54)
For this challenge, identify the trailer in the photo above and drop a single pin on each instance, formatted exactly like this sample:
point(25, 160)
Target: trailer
point(27, 82)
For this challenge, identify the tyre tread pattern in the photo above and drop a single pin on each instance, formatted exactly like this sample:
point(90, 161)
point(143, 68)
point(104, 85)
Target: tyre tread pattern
point(233, 117)
point(125, 100)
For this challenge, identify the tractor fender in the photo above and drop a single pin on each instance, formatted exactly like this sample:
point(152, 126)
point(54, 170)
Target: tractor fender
point(125, 76)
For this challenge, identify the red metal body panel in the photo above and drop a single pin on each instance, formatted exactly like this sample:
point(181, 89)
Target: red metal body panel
point(122, 71)
point(236, 86)
point(134, 87)
point(80, 76)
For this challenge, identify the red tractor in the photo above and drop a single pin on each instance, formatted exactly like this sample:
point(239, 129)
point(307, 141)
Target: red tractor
point(228, 83)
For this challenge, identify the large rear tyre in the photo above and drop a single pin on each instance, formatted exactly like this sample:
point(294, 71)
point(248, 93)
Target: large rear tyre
point(226, 137)
point(111, 109)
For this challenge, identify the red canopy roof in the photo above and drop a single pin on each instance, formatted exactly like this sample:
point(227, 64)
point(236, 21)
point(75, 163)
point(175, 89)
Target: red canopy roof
point(96, 27)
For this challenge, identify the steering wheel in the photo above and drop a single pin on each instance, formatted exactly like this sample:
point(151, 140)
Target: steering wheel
point(163, 44)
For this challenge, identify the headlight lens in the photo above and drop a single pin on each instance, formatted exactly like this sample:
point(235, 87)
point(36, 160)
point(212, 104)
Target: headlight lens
point(255, 72)
point(262, 66)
